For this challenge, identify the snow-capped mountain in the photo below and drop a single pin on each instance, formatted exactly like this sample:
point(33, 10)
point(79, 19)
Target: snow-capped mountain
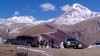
point(26, 20)
point(18, 19)
point(28, 25)
point(75, 14)
point(22, 19)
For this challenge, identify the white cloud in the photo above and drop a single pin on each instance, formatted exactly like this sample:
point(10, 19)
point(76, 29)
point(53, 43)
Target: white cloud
point(47, 7)
point(65, 8)
point(16, 13)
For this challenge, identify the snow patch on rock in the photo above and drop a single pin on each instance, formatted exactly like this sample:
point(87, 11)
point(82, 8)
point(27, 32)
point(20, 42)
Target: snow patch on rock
point(22, 19)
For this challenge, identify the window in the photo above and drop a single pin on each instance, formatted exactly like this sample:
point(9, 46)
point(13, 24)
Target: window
point(18, 38)
point(97, 43)
point(30, 38)
point(23, 38)
point(70, 39)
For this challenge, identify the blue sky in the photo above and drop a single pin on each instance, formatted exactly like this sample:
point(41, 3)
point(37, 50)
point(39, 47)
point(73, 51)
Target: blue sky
point(41, 9)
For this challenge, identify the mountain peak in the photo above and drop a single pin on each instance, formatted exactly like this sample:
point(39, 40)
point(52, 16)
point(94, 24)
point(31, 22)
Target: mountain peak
point(76, 14)
point(22, 19)
point(80, 8)
point(77, 4)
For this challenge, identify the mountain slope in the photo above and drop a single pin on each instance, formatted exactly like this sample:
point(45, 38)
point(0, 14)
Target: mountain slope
point(75, 14)
point(37, 30)
point(87, 31)
point(21, 29)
